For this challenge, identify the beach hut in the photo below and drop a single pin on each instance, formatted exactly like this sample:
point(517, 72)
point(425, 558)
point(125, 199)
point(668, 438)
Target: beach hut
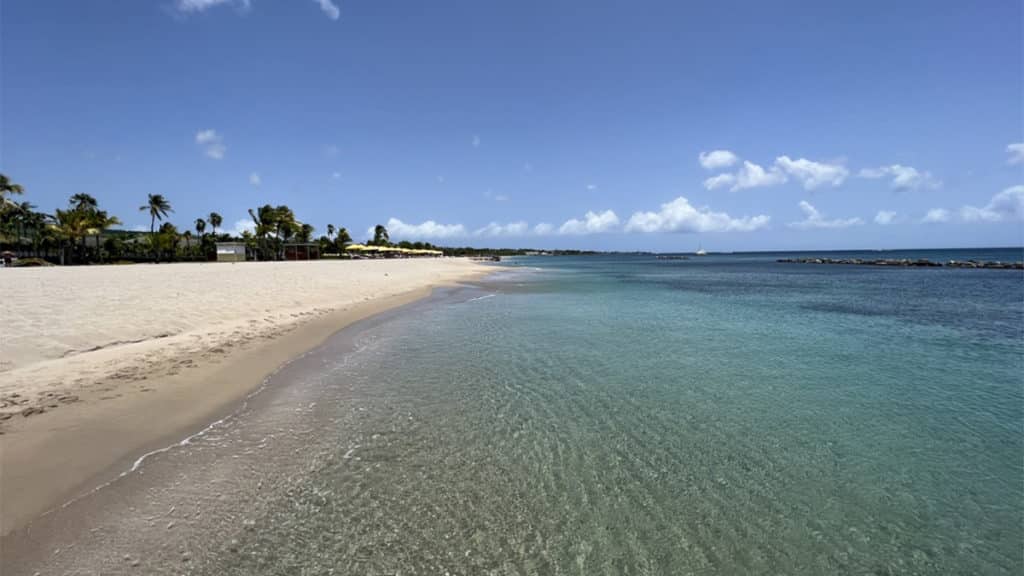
point(230, 252)
point(302, 251)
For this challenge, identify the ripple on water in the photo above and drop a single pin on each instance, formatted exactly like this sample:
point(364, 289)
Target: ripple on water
point(561, 431)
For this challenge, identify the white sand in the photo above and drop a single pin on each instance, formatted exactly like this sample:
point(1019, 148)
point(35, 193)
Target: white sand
point(74, 326)
point(122, 359)
point(51, 313)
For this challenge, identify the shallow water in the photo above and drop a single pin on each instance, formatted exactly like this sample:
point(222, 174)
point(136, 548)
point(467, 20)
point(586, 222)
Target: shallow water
point(616, 415)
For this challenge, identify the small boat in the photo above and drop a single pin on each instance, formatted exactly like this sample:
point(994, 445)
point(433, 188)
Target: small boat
point(701, 251)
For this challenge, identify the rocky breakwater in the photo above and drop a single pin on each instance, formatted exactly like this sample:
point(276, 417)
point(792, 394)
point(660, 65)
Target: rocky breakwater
point(907, 263)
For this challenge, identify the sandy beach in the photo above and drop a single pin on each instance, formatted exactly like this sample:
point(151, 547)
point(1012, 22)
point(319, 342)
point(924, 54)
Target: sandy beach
point(102, 364)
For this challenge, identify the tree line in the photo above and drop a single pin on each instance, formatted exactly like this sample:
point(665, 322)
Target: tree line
point(83, 233)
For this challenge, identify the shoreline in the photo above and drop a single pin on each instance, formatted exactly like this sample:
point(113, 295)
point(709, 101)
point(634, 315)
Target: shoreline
point(53, 458)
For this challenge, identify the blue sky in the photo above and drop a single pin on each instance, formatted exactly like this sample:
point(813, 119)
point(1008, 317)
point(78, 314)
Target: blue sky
point(597, 124)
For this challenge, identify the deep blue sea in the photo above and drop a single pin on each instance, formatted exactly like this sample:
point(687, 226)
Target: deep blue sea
point(628, 415)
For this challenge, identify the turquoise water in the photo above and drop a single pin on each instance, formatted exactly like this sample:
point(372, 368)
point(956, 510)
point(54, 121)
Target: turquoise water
point(626, 415)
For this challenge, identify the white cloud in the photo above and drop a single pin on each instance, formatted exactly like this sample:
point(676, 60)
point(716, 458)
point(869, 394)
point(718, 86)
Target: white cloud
point(255, 179)
point(592, 223)
point(814, 219)
point(812, 174)
point(335, 175)
point(511, 229)
point(903, 177)
point(936, 215)
point(201, 5)
point(329, 8)
point(476, 141)
point(1005, 206)
point(243, 225)
point(754, 176)
point(211, 143)
point(681, 216)
point(399, 230)
point(591, 186)
point(885, 217)
point(500, 198)
point(717, 159)
point(140, 228)
point(749, 175)
point(1016, 152)
point(719, 181)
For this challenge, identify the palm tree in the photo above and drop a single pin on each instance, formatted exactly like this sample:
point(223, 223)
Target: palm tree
point(158, 207)
point(263, 219)
point(100, 221)
point(215, 221)
point(7, 189)
point(343, 238)
point(305, 234)
point(14, 218)
point(167, 238)
point(285, 227)
point(187, 235)
point(380, 235)
point(36, 221)
point(200, 226)
point(330, 232)
point(70, 225)
point(83, 201)
point(249, 240)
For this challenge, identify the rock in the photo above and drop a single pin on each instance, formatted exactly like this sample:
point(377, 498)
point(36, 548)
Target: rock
point(32, 411)
point(905, 262)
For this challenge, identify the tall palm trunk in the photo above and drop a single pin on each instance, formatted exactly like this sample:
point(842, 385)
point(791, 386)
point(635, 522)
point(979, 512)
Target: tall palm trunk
point(152, 239)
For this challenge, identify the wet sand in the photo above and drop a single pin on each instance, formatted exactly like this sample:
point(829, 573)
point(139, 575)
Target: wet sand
point(159, 514)
point(92, 413)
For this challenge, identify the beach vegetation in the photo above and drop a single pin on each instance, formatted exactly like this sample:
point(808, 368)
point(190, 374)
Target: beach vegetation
point(380, 236)
point(215, 221)
point(84, 233)
point(158, 207)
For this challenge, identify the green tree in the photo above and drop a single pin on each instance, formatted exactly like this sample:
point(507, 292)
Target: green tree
point(69, 225)
point(215, 222)
point(200, 226)
point(166, 240)
point(83, 201)
point(14, 220)
point(343, 238)
point(263, 219)
point(81, 219)
point(100, 221)
point(330, 232)
point(187, 235)
point(305, 233)
point(380, 235)
point(158, 207)
point(8, 189)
